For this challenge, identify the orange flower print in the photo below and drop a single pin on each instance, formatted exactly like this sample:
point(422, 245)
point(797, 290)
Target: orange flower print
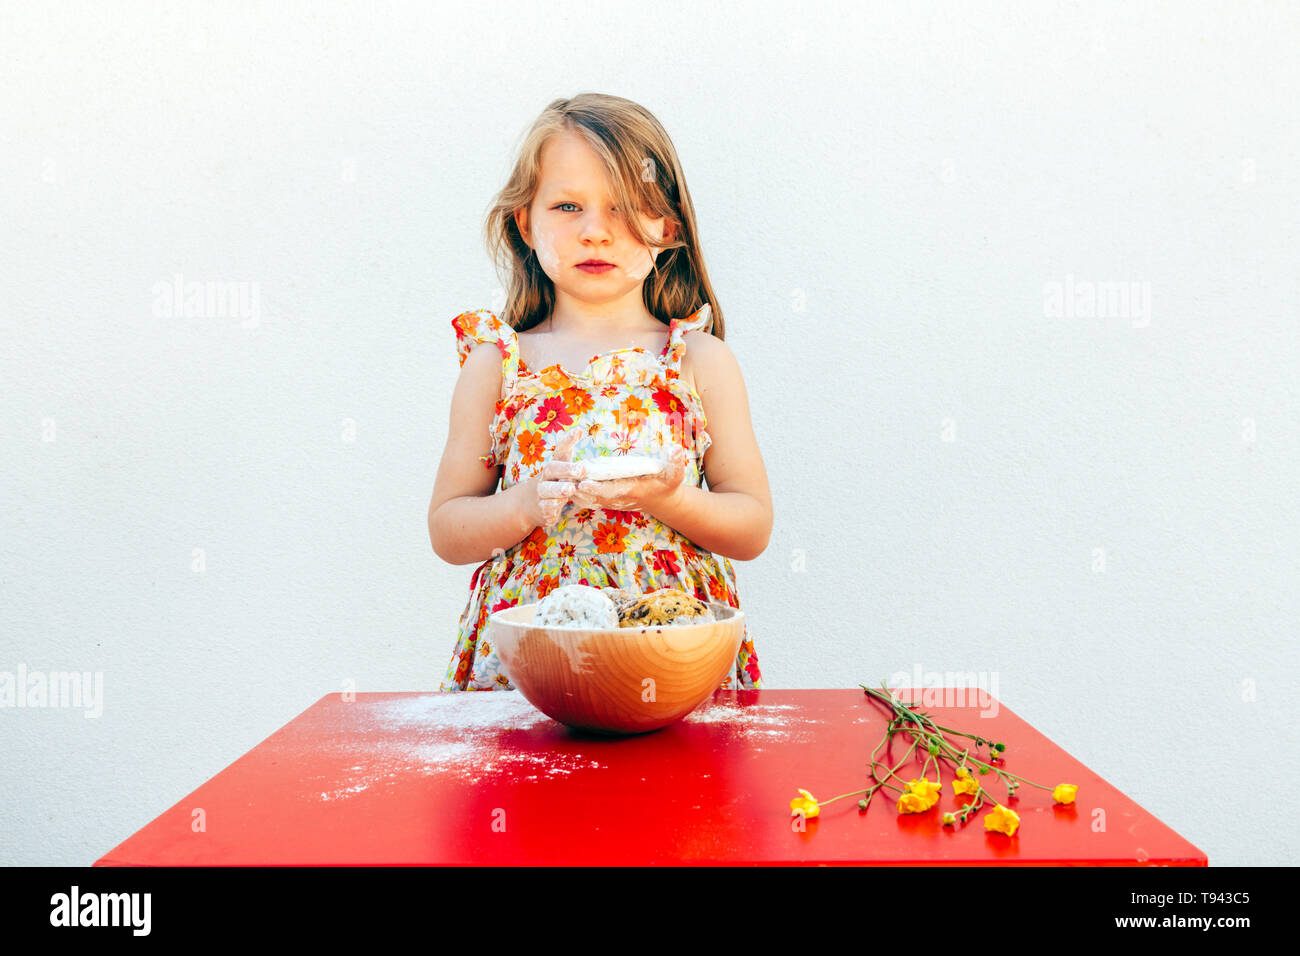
point(502, 679)
point(632, 413)
point(717, 588)
point(546, 584)
point(609, 537)
point(553, 416)
point(531, 446)
point(483, 648)
point(609, 391)
point(593, 429)
point(577, 401)
point(555, 379)
point(533, 547)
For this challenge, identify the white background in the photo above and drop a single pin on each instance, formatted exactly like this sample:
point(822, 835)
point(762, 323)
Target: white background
point(885, 194)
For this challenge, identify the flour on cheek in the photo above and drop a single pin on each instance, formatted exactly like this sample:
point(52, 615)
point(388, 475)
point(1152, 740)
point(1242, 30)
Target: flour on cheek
point(639, 271)
point(547, 254)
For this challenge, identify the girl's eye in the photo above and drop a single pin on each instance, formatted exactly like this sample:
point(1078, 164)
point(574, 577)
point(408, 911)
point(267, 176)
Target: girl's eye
point(575, 205)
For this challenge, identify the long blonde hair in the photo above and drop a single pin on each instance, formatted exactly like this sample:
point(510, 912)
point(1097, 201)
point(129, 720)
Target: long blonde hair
point(644, 173)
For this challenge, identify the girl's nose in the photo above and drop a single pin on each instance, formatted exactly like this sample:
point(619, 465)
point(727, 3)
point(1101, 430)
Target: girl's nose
point(596, 224)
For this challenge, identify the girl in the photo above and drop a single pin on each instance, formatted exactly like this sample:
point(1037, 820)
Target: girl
point(610, 343)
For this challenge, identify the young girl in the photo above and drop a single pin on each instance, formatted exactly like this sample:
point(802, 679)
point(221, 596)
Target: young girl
point(610, 343)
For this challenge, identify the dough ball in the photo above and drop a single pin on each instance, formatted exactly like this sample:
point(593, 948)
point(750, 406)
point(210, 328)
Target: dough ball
point(665, 606)
point(576, 605)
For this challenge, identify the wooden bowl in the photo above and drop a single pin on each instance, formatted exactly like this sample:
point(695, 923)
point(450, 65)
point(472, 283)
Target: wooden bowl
point(621, 680)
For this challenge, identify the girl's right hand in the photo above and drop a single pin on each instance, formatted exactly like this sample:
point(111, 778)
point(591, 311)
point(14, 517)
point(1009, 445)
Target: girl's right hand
point(555, 486)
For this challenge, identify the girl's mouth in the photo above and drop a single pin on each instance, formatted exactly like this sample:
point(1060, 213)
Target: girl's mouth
point(595, 267)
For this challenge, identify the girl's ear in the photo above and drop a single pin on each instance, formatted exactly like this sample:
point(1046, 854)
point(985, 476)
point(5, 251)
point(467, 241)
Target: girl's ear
point(521, 221)
point(670, 231)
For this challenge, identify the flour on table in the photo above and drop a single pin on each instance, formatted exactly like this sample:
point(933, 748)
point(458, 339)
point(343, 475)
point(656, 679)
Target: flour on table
point(346, 791)
point(446, 734)
point(487, 710)
point(770, 721)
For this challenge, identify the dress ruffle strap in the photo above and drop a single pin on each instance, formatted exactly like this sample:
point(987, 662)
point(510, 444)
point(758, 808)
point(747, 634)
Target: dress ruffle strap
point(695, 421)
point(700, 320)
point(482, 326)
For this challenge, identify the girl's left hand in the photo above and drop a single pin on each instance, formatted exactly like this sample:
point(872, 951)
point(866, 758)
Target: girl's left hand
point(645, 493)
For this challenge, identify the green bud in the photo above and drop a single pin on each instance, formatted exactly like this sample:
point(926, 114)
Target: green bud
point(862, 804)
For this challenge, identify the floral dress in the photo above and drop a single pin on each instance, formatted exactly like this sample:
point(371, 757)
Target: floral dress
point(627, 401)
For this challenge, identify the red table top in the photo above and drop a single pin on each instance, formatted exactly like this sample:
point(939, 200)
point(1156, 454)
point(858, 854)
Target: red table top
point(485, 778)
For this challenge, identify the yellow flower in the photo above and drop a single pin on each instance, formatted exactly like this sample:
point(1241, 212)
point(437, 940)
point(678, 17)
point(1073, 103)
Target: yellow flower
point(1064, 793)
point(964, 773)
point(965, 785)
point(805, 806)
point(913, 803)
point(1002, 820)
point(921, 795)
point(927, 791)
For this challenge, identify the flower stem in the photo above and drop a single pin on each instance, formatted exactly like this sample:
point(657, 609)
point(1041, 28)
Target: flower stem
point(927, 728)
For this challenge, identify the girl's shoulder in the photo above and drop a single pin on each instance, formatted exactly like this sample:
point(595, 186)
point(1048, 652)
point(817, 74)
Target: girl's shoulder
point(708, 364)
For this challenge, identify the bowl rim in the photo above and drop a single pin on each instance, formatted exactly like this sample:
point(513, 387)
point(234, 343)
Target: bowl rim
point(736, 614)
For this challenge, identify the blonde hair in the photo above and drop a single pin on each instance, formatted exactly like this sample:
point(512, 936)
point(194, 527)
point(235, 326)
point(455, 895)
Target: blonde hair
point(644, 173)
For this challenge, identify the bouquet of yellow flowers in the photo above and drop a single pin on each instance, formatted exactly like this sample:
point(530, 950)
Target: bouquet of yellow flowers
point(920, 795)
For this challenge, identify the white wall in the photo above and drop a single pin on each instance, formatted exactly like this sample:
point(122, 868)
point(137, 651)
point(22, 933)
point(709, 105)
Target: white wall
point(1103, 533)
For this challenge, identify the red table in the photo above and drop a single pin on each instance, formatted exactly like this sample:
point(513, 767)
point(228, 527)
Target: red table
point(485, 778)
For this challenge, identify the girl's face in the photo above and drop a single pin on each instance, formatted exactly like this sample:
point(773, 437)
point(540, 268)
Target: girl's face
point(572, 220)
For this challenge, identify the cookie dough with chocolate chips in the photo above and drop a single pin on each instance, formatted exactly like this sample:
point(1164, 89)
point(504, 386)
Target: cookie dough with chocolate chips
point(665, 606)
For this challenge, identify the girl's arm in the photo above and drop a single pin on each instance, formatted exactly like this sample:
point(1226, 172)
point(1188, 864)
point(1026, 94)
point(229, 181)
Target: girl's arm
point(467, 521)
point(734, 517)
